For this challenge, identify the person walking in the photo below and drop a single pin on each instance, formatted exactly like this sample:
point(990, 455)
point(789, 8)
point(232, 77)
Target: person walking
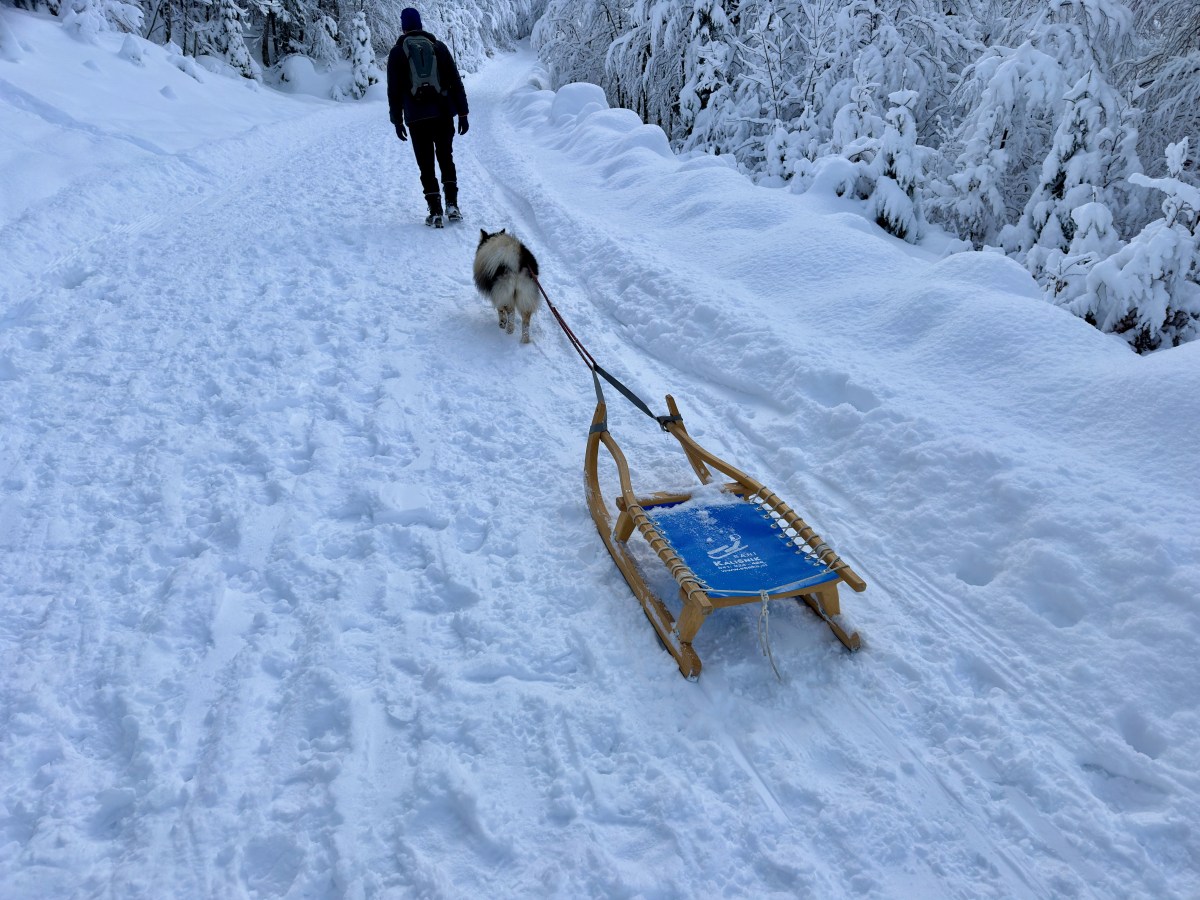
point(425, 93)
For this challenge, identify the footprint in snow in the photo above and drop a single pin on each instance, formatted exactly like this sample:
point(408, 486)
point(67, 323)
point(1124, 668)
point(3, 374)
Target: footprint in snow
point(471, 530)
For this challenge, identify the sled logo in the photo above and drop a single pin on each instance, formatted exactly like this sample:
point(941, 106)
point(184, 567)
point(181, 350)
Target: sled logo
point(735, 545)
point(735, 556)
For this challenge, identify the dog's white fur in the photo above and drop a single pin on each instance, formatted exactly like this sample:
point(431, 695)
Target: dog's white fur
point(504, 273)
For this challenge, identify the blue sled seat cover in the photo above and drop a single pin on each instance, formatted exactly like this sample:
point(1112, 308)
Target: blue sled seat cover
point(734, 550)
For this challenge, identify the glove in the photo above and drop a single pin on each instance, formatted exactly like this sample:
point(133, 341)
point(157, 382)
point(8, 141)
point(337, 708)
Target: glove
point(463, 125)
point(401, 131)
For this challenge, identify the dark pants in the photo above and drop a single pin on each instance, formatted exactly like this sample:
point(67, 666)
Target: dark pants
point(434, 139)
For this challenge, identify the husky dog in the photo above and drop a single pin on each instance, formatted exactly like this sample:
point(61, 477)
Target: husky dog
point(504, 272)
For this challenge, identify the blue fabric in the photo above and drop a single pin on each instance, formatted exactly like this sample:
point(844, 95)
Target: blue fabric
point(410, 19)
point(734, 551)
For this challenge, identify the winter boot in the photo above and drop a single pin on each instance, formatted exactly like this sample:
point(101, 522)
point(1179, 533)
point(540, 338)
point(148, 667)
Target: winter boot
point(452, 212)
point(436, 217)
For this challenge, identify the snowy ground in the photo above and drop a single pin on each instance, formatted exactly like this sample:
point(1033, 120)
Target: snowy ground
point(299, 595)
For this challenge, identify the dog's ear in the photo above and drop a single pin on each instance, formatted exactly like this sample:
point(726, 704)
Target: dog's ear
point(483, 235)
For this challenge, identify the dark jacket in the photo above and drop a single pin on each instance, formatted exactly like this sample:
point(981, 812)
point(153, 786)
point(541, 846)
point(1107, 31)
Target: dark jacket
point(401, 102)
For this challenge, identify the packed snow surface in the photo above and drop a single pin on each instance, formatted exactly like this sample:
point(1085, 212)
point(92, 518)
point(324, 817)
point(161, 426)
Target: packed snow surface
point(299, 593)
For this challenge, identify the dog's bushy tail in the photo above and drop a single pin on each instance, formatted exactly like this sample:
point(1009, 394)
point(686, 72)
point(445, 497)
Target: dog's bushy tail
point(526, 295)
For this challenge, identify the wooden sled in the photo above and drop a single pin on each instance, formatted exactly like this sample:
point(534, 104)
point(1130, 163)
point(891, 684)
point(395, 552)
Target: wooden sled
point(739, 544)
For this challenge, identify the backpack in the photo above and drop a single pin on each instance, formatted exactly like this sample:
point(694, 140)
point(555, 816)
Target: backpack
point(422, 65)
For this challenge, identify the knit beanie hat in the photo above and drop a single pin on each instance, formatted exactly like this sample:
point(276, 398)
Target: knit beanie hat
point(410, 20)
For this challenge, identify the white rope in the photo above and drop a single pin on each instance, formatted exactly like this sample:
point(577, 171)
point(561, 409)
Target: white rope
point(764, 633)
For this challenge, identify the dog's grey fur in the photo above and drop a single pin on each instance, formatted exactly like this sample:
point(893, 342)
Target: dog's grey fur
point(504, 273)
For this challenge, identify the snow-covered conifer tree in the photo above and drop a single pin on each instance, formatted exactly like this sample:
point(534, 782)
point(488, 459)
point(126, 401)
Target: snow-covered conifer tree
point(855, 134)
point(1089, 38)
point(1065, 274)
point(1011, 98)
point(708, 56)
point(1084, 34)
point(323, 41)
point(225, 40)
point(1149, 291)
point(781, 154)
point(362, 56)
point(824, 59)
point(899, 170)
point(645, 65)
point(1076, 171)
point(83, 18)
point(857, 124)
point(88, 18)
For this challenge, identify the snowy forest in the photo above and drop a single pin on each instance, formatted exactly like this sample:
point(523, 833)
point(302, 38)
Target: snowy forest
point(1064, 134)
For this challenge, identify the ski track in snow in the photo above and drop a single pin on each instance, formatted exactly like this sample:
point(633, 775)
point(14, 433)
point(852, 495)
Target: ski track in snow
point(344, 627)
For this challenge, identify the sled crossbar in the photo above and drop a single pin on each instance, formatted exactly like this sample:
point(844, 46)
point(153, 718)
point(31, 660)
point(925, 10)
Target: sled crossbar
point(738, 544)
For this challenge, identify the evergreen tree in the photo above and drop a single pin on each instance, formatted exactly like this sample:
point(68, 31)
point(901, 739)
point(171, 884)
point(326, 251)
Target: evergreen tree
point(857, 125)
point(899, 167)
point(1076, 171)
point(362, 56)
point(645, 66)
point(1084, 35)
point(708, 56)
point(1149, 291)
point(1011, 98)
point(1065, 274)
point(226, 41)
point(88, 18)
point(322, 45)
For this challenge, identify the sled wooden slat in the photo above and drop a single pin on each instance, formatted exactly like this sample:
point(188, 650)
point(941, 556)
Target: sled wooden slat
point(814, 575)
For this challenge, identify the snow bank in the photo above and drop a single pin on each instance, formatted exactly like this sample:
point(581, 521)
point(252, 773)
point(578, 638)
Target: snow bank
point(76, 114)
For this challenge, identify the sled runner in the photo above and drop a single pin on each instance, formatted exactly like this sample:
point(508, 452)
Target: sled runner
point(723, 545)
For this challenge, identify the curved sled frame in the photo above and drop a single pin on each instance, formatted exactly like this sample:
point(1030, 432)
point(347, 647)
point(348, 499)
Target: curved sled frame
point(677, 636)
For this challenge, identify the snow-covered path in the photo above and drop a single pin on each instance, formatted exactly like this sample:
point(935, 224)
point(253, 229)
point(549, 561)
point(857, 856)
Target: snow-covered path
point(301, 596)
